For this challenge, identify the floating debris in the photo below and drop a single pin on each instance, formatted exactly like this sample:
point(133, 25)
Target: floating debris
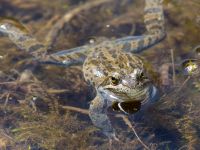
point(190, 67)
point(108, 26)
point(92, 41)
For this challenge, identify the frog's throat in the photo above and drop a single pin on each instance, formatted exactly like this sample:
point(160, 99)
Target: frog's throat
point(135, 95)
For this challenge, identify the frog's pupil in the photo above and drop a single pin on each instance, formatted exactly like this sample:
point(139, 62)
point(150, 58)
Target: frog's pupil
point(140, 76)
point(114, 80)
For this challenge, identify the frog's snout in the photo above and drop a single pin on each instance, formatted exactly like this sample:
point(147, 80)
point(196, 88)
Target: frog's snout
point(133, 83)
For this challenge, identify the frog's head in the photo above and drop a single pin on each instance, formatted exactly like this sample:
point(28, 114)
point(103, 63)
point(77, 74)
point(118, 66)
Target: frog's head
point(134, 86)
point(119, 76)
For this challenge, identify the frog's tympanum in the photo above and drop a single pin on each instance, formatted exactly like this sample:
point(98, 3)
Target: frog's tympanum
point(123, 80)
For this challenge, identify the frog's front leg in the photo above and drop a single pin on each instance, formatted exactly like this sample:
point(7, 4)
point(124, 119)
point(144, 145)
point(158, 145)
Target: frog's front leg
point(99, 117)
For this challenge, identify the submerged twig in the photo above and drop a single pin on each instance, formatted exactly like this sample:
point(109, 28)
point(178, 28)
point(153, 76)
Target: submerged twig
point(80, 110)
point(11, 82)
point(173, 66)
point(186, 80)
point(127, 121)
point(124, 118)
point(54, 32)
point(6, 135)
point(56, 91)
point(6, 101)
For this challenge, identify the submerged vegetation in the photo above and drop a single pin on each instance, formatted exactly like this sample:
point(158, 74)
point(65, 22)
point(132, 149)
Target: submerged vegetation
point(45, 107)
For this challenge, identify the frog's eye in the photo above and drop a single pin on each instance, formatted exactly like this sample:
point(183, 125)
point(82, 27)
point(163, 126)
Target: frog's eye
point(141, 77)
point(114, 80)
point(190, 67)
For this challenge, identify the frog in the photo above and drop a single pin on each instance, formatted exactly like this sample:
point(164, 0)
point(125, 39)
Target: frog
point(121, 78)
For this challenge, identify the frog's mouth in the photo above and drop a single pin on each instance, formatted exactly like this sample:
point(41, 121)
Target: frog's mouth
point(132, 104)
point(126, 89)
point(122, 93)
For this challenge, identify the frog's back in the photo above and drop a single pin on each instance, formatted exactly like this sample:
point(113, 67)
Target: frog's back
point(105, 60)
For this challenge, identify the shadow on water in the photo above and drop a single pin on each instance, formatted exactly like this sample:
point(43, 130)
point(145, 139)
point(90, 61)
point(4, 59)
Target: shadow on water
point(32, 115)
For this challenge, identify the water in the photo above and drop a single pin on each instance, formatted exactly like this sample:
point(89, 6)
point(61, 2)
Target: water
point(33, 116)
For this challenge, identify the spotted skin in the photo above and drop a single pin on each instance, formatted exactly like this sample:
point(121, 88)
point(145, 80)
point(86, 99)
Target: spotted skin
point(117, 74)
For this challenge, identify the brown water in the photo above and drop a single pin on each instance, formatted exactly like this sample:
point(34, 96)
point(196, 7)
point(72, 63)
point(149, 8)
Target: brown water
point(33, 116)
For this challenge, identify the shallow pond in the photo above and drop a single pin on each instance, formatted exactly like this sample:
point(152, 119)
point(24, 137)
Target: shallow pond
point(45, 107)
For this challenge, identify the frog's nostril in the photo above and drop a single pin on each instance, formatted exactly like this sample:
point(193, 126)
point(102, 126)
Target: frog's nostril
point(128, 83)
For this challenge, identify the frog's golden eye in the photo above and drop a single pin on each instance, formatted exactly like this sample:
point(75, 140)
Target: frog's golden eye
point(141, 76)
point(114, 80)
